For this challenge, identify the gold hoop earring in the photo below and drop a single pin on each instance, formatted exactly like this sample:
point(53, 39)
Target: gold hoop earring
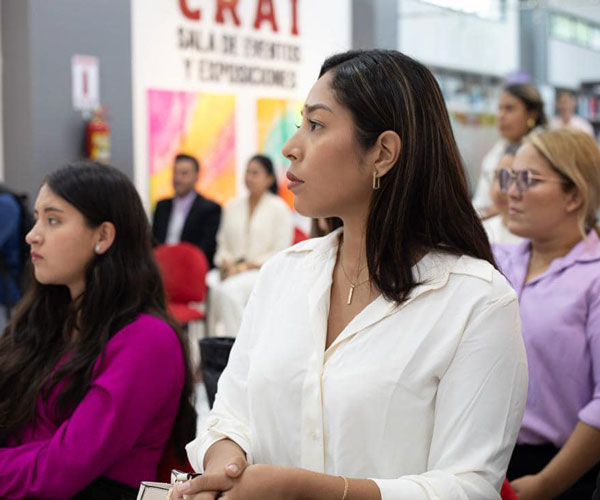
point(530, 123)
point(376, 180)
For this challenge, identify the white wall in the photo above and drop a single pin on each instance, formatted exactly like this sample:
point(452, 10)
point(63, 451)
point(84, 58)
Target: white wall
point(570, 64)
point(1, 123)
point(157, 63)
point(450, 39)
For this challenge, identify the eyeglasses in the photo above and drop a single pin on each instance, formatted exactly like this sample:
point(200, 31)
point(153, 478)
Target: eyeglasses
point(523, 178)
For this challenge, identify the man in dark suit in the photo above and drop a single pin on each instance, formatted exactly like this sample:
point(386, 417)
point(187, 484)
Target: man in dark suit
point(188, 216)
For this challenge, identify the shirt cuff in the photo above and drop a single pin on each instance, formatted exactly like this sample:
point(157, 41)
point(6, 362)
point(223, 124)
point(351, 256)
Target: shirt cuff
point(590, 413)
point(218, 429)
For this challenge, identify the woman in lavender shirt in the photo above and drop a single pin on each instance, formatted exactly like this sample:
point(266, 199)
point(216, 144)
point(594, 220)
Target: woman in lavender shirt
point(553, 196)
point(93, 377)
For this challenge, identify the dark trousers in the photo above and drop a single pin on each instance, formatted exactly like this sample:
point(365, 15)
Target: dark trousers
point(107, 489)
point(530, 459)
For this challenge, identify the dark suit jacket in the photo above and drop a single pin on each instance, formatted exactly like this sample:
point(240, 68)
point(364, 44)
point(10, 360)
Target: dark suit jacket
point(200, 227)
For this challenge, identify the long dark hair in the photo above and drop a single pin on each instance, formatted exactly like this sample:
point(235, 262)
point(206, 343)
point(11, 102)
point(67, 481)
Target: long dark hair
point(119, 285)
point(266, 163)
point(423, 201)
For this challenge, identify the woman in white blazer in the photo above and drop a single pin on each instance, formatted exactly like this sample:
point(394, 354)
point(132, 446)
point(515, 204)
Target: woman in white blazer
point(384, 360)
point(520, 112)
point(254, 227)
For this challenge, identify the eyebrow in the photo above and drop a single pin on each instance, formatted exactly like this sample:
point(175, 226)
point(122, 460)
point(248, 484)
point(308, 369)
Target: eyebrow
point(50, 209)
point(313, 107)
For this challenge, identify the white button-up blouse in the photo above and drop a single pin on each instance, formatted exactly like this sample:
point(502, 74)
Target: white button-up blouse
point(425, 398)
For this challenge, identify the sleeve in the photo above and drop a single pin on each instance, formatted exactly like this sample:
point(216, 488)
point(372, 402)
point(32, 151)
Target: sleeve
point(140, 375)
point(222, 254)
point(281, 232)
point(208, 243)
point(590, 413)
point(478, 411)
point(158, 226)
point(481, 197)
point(229, 417)
point(10, 217)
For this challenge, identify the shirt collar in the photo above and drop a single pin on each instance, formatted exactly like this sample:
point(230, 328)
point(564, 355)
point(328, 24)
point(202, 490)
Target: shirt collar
point(185, 200)
point(431, 272)
point(586, 250)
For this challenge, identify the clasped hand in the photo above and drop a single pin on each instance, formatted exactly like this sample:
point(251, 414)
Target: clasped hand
point(236, 481)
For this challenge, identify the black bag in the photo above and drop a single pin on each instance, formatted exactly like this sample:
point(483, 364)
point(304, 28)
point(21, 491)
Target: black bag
point(214, 355)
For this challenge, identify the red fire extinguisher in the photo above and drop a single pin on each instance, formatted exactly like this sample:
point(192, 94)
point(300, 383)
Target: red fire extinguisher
point(97, 137)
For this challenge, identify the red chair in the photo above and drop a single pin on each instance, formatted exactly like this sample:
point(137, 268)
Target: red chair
point(183, 267)
point(170, 461)
point(507, 492)
point(299, 235)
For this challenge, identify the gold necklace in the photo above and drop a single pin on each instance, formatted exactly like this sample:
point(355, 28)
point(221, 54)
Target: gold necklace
point(353, 285)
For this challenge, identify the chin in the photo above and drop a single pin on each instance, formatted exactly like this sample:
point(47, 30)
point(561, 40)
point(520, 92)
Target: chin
point(518, 230)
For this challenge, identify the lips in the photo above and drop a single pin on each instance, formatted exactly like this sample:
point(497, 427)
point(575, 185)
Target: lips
point(35, 257)
point(293, 181)
point(512, 211)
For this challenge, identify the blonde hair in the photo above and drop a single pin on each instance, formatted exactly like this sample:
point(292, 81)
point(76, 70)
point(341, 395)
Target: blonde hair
point(575, 156)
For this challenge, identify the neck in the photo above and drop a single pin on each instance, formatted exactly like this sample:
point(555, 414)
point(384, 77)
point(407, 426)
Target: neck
point(255, 198)
point(353, 252)
point(566, 117)
point(546, 250)
point(183, 195)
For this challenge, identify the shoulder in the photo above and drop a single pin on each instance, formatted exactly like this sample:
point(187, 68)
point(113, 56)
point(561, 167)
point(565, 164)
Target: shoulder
point(506, 253)
point(236, 203)
point(164, 203)
point(147, 337)
point(495, 152)
point(276, 202)
point(484, 275)
point(8, 203)
point(207, 203)
point(463, 280)
point(300, 257)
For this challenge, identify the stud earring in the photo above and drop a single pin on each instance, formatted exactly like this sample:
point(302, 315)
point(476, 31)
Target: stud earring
point(530, 123)
point(376, 180)
point(97, 248)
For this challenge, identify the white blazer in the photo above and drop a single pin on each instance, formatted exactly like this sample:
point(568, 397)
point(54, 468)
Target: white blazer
point(425, 398)
point(256, 238)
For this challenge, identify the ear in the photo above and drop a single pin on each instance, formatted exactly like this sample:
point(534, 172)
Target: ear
point(386, 151)
point(574, 200)
point(105, 236)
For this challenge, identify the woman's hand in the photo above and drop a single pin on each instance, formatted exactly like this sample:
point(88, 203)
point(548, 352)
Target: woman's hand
point(260, 482)
point(254, 482)
point(531, 488)
point(210, 484)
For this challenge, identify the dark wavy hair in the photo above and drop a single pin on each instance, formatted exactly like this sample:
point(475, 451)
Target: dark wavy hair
point(119, 285)
point(423, 202)
point(532, 99)
point(266, 163)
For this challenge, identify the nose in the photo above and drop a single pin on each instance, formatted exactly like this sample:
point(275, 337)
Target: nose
point(513, 190)
point(32, 236)
point(290, 149)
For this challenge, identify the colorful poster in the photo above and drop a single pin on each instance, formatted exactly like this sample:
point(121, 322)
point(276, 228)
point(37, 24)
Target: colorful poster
point(195, 123)
point(277, 120)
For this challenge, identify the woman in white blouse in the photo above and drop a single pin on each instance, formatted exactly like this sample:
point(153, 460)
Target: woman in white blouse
point(384, 360)
point(254, 227)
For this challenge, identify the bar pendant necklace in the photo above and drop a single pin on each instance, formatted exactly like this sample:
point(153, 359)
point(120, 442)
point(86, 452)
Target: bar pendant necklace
point(353, 285)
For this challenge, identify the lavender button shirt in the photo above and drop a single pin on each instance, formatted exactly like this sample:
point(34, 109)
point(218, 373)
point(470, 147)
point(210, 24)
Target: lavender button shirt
point(560, 311)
